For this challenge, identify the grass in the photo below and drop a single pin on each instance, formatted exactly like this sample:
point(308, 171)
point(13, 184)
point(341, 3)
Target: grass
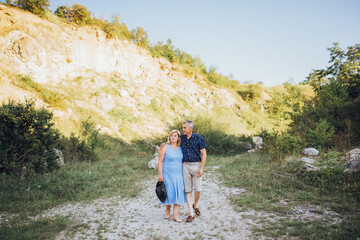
point(54, 99)
point(44, 228)
point(267, 182)
point(119, 172)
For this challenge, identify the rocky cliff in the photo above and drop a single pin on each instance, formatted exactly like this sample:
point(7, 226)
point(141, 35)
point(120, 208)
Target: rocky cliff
point(120, 86)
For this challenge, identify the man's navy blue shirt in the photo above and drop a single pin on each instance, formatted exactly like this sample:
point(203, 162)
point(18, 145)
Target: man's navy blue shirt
point(191, 147)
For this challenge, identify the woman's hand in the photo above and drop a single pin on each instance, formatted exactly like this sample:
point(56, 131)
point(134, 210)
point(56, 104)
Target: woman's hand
point(161, 179)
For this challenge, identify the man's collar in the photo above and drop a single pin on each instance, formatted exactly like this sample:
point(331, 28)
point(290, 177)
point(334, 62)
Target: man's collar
point(192, 133)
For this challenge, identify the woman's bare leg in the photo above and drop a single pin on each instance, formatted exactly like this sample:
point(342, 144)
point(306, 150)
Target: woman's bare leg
point(167, 212)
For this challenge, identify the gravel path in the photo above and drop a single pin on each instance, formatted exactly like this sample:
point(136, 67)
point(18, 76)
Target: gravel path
point(143, 217)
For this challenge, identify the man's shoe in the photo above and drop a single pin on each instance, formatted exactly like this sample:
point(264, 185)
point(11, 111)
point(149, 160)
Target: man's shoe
point(189, 219)
point(197, 210)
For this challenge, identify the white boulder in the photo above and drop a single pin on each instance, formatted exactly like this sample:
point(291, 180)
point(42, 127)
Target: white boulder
point(154, 162)
point(258, 141)
point(353, 158)
point(310, 152)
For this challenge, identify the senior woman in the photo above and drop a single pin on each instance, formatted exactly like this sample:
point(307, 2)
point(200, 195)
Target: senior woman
point(170, 171)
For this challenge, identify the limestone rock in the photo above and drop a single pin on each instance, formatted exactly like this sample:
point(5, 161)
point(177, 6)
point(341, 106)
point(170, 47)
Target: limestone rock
point(258, 141)
point(310, 152)
point(353, 158)
point(60, 157)
point(354, 162)
point(153, 163)
point(355, 151)
point(308, 163)
point(246, 145)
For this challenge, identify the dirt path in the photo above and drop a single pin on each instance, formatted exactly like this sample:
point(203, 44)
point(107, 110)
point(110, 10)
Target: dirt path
point(143, 217)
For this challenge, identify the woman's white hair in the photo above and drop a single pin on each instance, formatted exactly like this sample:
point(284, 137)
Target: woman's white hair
point(174, 131)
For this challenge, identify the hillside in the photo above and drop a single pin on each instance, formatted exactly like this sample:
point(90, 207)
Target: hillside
point(80, 73)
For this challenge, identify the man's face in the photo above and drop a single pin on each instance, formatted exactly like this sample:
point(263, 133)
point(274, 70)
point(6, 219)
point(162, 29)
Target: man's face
point(186, 128)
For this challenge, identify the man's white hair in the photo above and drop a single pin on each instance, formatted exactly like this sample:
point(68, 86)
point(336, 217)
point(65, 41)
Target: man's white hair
point(189, 122)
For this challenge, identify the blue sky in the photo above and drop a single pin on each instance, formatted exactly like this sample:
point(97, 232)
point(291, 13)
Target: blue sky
point(255, 40)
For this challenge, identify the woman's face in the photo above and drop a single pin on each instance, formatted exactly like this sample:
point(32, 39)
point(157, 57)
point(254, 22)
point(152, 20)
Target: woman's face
point(174, 138)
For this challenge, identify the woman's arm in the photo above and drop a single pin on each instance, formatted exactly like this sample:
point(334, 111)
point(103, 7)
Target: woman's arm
point(161, 162)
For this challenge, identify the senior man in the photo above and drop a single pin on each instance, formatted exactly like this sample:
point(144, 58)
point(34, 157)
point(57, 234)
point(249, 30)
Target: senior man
point(194, 151)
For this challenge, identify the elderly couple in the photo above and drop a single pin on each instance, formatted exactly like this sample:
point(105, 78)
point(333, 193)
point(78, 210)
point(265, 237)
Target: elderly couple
point(181, 163)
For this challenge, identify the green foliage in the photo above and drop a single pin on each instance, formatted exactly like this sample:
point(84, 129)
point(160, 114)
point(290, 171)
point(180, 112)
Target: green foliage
point(218, 142)
point(220, 79)
point(54, 99)
point(268, 183)
point(280, 145)
point(119, 173)
point(321, 135)
point(338, 91)
point(139, 37)
point(115, 28)
point(331, 175)
point(251, 91)
point(78, 14)
point(27, 139)
point(64, 12)
point(44, 228)
point(37, 7)
point(82, 147)
point(165, 50)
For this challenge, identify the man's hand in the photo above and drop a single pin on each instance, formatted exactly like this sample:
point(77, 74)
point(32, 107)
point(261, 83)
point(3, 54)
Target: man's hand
point(200, 173)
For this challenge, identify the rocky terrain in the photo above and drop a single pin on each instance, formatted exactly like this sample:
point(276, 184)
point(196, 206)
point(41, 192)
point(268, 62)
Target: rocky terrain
point(79, 72)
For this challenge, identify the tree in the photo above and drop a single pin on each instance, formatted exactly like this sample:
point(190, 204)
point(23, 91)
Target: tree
point(37, 7)
point(338, 91)
point(80, 14)
point(116, 28)
point(64, 12)
point(140, 37)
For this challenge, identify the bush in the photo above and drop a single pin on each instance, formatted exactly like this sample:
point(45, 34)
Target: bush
point(217, 141)
point(251, 92)
point(280, 145)
point(82, 147)
point(331, 175)
point(321, 135)
point(27, 138)
point(34, 6)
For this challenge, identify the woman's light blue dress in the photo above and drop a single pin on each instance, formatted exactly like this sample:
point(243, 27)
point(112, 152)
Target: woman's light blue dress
point(173, 176)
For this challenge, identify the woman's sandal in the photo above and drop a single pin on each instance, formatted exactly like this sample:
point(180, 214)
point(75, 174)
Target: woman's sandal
point(179, 221)
point(167, 217)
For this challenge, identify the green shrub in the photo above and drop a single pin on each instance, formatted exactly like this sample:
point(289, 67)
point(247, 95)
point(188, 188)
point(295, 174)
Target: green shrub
point(331, 175)
point(27, 138)
point(279, 145)
point(82, 147)
point(321, 135)
point(217, 141)
point(251, 91)
point(34, 6)
point(78, 14)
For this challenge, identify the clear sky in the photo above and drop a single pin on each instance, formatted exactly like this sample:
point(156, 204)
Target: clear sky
point(272, 41)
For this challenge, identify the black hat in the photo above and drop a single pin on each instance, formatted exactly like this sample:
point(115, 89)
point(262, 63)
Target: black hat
point(161, 191)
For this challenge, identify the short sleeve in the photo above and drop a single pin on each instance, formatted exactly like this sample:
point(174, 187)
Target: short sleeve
point(202, 143)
